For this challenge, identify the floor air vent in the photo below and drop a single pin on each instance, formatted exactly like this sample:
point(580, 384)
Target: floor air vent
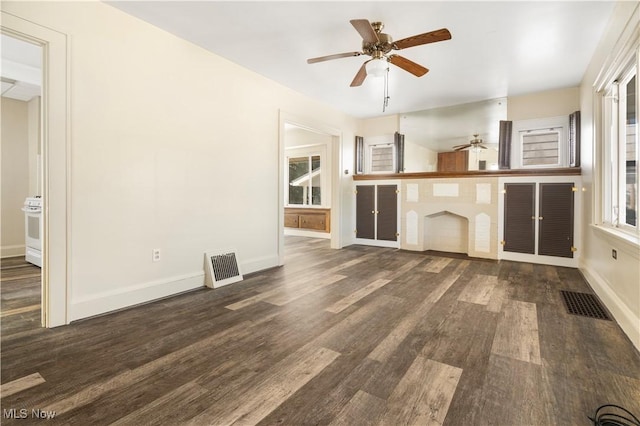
point(221, 269)
point(584, 304)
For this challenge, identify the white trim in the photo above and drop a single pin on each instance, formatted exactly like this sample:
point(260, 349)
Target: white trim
point(628, 321)
point(375, 242)
point(577, 221)
point(56, 160)
point(302, 233)
point(625, 241)
point(141, 293)
point(558, 122)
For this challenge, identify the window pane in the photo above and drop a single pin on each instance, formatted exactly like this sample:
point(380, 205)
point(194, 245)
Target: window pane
point(540, 148)
point(315, 181)
point(298, 179)
point(382, 159)
point(631, 147)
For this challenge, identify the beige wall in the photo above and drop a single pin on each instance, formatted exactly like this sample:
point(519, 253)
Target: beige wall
point(385, 125)
point(615, 281)
point(551, 103)
point(15, 174)
point(172, 147)
point(34, 146)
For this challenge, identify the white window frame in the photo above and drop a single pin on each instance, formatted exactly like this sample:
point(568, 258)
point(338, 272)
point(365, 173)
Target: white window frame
point(309, 151)
point(393, 159)
point(610, 136)
point(614, 158)
point(376, 141)
point(523, 127)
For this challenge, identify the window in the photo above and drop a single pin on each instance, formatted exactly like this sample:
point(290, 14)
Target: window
point(541, 147)
point(305, 180)
point(540, 143)
point(382, 158)
point(620, 162)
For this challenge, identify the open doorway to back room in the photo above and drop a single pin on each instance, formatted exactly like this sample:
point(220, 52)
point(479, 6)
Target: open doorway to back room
point(21, 207)
point(307, 183)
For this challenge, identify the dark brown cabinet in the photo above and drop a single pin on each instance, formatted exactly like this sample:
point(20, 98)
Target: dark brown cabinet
point(542, 213)
point(377, 212)
point(457, 161)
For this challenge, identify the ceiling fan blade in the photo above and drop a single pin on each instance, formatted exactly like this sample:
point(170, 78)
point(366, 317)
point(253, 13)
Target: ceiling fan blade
point(482, 146)
point(407, 65)
point(330, 57)
point(365, 29)
point(360, 75)
point(460, 147)
point(426, 38)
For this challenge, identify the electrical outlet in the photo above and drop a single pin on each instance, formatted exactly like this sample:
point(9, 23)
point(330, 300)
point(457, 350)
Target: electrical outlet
point(155, 255)
point(614, 253)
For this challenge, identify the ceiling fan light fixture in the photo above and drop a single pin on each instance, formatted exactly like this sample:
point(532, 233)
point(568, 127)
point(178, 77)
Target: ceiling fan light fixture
point(377, 67)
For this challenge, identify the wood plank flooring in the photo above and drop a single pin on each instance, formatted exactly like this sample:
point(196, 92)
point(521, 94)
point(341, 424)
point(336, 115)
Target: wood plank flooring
point(358, 336)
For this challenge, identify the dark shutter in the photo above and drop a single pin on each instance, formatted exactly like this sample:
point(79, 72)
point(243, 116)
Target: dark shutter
point(555, 234)
point(359, 155)
point(574, 139)
point(398, 141)
point(365, 211)
point(519, 219)
point(387, 212)
point(504, 145)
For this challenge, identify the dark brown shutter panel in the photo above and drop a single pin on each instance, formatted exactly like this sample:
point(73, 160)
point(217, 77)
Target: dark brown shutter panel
point(387, 212)
point(504, 144)
point(556, 226)
point(519, 224)
point(365, 205)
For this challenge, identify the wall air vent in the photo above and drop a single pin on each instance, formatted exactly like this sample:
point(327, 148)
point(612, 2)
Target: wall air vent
point(221, 268)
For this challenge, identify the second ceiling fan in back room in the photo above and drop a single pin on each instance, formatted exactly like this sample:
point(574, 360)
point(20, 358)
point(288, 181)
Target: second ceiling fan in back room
point(379, 45)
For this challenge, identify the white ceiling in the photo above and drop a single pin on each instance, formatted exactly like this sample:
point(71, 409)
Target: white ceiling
point(21, 68)
point(497, 48)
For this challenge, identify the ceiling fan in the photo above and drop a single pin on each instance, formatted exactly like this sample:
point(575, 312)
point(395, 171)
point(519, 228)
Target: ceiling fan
point(378, 45)
point(474, 143)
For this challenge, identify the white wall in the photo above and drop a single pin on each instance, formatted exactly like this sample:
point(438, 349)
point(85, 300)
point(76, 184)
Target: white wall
point(418, 158)
point(172, 147)
point(615, 281)
point(15, 174)
point(388, 124)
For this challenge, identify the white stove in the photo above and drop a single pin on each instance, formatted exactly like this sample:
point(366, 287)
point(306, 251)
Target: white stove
point(33, 230)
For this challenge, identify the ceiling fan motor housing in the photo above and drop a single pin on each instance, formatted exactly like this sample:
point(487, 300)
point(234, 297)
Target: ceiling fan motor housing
point(383, 45)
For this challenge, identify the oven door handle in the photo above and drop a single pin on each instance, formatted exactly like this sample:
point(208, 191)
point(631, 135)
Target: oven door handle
point(26, 210)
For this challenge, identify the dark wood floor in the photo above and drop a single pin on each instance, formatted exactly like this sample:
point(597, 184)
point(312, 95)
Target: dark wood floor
point(357, 336)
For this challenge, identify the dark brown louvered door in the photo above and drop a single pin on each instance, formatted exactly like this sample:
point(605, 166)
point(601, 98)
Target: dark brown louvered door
point(519, 219)
point(555, 234)
point(365, 211)
point(387, 212)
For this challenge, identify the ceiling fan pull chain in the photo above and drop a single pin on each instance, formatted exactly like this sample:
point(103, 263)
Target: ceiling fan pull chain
point(386, 90)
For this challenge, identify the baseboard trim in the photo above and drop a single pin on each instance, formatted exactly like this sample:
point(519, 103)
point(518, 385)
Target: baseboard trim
point(12, 251)
point(147, 292)
point(131, 296)
point(627, 320)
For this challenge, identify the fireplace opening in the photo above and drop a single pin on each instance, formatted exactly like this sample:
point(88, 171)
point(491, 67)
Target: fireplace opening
point(446, 231)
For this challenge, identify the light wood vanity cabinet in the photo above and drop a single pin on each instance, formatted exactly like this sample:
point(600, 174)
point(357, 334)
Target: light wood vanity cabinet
point(308, 219)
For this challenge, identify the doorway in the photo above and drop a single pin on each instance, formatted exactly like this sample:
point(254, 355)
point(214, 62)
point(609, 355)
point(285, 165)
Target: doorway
point(309, 181)
point(55, 171)
point(21, 242)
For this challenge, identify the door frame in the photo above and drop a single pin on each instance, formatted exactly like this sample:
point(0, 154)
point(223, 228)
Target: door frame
point(56, 163)
point(335, 148)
